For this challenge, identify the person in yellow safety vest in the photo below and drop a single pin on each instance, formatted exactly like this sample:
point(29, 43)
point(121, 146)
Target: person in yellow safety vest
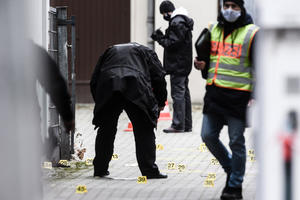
point(228, 90)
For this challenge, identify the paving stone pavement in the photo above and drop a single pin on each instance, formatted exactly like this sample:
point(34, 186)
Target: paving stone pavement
point(180, 150)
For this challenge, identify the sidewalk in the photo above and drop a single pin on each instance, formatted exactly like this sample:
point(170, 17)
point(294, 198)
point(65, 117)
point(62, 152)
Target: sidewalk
point(175, 150)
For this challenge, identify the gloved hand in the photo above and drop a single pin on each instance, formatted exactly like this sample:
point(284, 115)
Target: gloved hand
point(157, 35)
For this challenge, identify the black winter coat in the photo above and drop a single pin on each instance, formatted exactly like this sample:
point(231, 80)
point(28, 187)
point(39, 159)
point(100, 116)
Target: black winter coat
point(136, 72)
point(177, 43)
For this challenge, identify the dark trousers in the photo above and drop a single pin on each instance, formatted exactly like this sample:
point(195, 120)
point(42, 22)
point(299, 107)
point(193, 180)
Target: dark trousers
point(182, 109)
point(143, 133)
point(233, 163)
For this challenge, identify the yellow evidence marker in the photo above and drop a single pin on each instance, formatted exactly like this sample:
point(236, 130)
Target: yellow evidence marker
point(115, 157)
point(181, 168)
point(211, 176)
point(171, 166)
point(209, 183)
point(251, 152)
point(81, 189)
point(47, 165)
point(64, 163)
point(89, 162)
point(159, 147)
point(252, 158)
point(202, 147)
point(142, 179)
point(214, 161)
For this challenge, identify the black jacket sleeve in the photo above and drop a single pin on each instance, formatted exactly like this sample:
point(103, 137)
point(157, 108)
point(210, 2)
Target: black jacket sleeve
point(157, 75)
point(95, 77)
point(252, 51)
point(50, 78)
point(252, 60)
point(175, 35)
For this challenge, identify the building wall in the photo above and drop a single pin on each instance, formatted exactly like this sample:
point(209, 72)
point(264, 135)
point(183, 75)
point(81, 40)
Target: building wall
point(37, 27)
point(138, 21)
point(37, 12)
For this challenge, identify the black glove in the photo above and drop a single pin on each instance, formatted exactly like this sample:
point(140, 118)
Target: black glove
point(157, 35)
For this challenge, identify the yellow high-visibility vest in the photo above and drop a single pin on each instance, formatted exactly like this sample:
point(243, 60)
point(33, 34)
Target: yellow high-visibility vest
point(230, 66)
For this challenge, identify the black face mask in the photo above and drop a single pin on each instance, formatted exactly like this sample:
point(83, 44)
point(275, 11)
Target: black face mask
point(167, 17)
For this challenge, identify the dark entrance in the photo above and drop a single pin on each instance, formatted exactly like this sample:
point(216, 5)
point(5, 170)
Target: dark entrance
point(99, 24)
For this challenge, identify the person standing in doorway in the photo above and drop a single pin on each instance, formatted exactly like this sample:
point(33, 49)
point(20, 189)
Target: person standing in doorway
point(178, 58)
point(228, 91)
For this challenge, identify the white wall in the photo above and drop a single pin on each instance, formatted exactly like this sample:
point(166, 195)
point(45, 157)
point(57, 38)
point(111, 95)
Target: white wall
point(37, 27)
point(37, 13)
point(20, 144)
point(202, 12)
point(139, 12)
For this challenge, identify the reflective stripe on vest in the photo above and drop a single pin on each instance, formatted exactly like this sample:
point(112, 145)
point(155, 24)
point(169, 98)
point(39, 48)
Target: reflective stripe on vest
point(230, 66)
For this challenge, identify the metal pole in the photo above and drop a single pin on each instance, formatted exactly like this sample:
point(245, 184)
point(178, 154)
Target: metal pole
point(65, 151)
point(52, 146)
point(73, 77)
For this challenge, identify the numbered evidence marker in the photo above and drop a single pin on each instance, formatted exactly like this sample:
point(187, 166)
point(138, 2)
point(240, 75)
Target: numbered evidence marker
point(211, 176)
point(81, 189)
point(64, 163)
point(142, 179)
point(47, 165)
point(251, 152)
point(171, 166)
point(251, 155)
point(214, 161)
point(89, 162)
point(181, 168)
point(252, 158)
point(209, 182)
point(159, 147)
point(202, 147)
point(115, 157)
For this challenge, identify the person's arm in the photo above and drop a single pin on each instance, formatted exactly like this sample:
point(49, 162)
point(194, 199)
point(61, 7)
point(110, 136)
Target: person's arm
point(175, 36)
point(158, 82)
point(252, 50)
point(95, 77)
point(253, 68)
point(49, 76)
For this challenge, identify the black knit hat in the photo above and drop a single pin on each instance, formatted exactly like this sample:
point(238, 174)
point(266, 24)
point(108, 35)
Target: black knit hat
point(166, 6)
point(240, 3)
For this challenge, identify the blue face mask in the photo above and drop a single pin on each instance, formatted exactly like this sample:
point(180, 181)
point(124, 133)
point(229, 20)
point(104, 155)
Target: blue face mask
point(230, 15)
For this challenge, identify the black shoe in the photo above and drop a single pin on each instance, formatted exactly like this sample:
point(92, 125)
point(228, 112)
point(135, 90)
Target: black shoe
point(232, 193)
point(225, 189)
point(160, 175)
point(172, 130)
point(101, 174)
point(188, 130)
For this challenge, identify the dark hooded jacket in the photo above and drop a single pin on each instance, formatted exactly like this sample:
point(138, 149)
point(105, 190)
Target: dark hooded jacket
point(136, 72)
point(224, 101)
point(177, 43)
